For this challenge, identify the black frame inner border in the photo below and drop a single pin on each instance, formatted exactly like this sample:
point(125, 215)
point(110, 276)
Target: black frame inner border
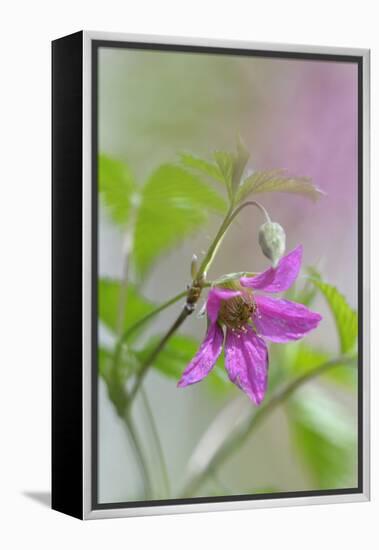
point(238, 52)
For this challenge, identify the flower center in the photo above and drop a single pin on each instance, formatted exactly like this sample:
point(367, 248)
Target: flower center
point(236, 312)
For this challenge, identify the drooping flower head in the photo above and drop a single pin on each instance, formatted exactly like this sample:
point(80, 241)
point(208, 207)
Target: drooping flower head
point(240, 320)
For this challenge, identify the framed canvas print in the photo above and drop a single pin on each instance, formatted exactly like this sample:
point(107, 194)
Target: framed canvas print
point(210, 275)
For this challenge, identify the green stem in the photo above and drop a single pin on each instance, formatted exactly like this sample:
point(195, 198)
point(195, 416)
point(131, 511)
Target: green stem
point(161, 344)
point(124, 285)
point(141, 462)
point(193, 294)
point(229, 218)
point(131, 330)
point(250, 203)
point(117, 388)
point(236, 439)
point(158, 444)
point(209, 257)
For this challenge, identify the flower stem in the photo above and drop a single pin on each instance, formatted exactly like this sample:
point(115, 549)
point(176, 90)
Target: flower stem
point(119, 392)
point(131, 330)
point(149, 360)
point(158, 444)
point(142, 463)
point(250, 203)
point(235, 440)
point(124, 285)
point(193, 295)
point(229, 218)
point(212, 250)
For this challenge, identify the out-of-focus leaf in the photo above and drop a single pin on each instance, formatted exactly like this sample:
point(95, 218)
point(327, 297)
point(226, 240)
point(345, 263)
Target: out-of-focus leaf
point(178, 353)
point(277, 181)
point(203, 166)
point(224, 162)
point(326, 438)
point(116, 187)
point(175, 203)
point(104, 357)
point(232, 165)
point(345, 317)
point(239, 162)
point(174, 357)
point(217, 381)
point(136, 306)
point(306, 293)
point(307, 358)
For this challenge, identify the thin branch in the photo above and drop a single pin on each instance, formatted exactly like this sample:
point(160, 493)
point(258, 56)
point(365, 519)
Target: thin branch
point(124, 283)
point(250, 203)
point(161, 344)
point(131, 330)
point(141, 461)
point(236, 439)
point(134, 328)
point(121, 391)
point(193, 294)
point(212, 250)
point(158, 444)
point(229, 218)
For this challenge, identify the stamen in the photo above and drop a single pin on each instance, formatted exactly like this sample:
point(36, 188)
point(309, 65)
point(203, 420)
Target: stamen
point(236, 313)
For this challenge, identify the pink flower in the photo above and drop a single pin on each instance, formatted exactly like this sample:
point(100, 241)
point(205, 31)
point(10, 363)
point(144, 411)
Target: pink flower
point(246, 318)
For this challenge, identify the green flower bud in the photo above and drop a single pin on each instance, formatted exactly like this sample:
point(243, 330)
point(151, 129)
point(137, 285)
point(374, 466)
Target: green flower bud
point(272, 240)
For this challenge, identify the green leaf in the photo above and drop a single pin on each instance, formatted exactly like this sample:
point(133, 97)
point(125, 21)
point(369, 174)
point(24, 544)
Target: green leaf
point(178, 353)
point(306, 358)
point(239, 162)
point(203, 166)
point(175, 203)
point(305, 293)
point(345, 317)
point(326, 438)
point(104, 357)
point(116, 187)
point(136, 306)
point(277, 181)
point(232, 165)
point(224, 162)
point(174, 357)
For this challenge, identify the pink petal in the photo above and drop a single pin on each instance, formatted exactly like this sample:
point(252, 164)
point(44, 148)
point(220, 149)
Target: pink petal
point(282, 321)
point(280, 278)
point(205, 358)
point(246, 360)
point(214, 299)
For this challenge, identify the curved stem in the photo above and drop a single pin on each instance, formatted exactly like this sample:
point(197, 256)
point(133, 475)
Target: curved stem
point(124, 284)
point(229, 218)
point(235, 440)
point(212, 250)
point(161, 344)
point(141, 462)
point(193, 294)
point(250, 203)
point(120, 395)
point(158, 444)
point(131, 330)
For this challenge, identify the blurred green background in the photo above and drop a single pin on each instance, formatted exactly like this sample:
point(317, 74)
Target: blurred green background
point(297, 115)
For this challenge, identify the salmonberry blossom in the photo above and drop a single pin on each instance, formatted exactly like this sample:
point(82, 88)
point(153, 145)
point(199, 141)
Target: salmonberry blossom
point(247, 319)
